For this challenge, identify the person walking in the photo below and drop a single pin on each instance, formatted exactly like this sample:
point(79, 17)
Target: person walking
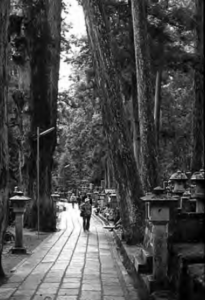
point(84, 197)
point(86, 211)
point(73, 200)
point(79, 200)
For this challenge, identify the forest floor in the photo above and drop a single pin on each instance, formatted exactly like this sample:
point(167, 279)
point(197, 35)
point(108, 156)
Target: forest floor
point(30, 240)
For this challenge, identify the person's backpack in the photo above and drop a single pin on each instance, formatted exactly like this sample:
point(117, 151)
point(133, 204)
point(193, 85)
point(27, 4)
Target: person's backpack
point(82, 211)
point(88, 209)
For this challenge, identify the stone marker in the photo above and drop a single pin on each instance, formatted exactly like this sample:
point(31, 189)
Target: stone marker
point(19, 208)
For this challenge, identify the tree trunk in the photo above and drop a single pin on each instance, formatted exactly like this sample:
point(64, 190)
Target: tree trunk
point(135, 122)
point(114, 122)
point(149, 174)
point(45, 57)
point(135, 111)
point(157, 104)
point(19, 98)
point(38, 80)
point(198, 112)
point(108, 174)
point(4, 158)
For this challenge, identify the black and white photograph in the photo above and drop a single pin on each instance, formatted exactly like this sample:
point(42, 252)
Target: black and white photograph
point(102, 176)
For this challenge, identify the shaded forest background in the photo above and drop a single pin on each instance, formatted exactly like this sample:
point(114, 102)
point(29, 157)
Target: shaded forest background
point(174, 59)
point(81, 141)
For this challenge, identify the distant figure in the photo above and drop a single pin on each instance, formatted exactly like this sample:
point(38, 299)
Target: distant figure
point(73, 199)
point(79, 200)
point(86, 211)
point(84, 197)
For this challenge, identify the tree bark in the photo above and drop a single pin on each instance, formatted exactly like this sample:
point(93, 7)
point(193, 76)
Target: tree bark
point(157, 104)
point(135, 111)
point(197, 161)
point(4, 158)
point(19, 97)
point(38, 80)
point(108, 174)
point(114, 122)
point(136, 127)
point(45, 57)
point(149, 174)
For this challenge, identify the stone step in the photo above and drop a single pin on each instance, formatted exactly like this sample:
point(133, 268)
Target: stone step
point(144, 262)
point(142, 267)
point(147, 257)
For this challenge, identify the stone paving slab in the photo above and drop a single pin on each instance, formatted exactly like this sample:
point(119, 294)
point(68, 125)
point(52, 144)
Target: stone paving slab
point(71, 265)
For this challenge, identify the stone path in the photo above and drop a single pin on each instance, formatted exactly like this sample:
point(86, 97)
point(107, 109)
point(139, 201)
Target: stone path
point(70, 265)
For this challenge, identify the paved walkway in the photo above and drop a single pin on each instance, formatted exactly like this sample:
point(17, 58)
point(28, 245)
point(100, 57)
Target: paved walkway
point(71, 265)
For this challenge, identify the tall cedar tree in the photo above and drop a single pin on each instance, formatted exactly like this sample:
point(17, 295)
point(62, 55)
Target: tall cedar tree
point(4, 159)
point(198, 111)
point(149, 174)
point(42, 32)
point(114, 121)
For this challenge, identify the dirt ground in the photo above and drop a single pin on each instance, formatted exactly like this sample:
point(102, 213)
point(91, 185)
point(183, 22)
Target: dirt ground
point(30, 240)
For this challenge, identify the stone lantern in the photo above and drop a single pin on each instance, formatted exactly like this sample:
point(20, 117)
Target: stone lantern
point(19, 207)
point(188, 174)
point(91, 186)
point(101, 199)
point(199, 179)
point(158, 209)
point(55, 197)
point(95, 196)
point(179, 180)
point(113, 201)
point(187, 204)
point(102, 183)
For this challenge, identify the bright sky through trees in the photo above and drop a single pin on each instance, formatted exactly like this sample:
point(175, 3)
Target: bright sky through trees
point(76, 18)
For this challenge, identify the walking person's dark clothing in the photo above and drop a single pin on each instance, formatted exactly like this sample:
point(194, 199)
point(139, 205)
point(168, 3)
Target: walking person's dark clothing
point(84, 197)
point(86, 223)
point(79, 201)
point(73, 199)
point(91, 201)
point(86, 211)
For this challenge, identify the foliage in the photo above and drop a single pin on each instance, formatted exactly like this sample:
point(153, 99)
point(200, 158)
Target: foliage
point(171, 36)
point(81, 142)
point(175, 134)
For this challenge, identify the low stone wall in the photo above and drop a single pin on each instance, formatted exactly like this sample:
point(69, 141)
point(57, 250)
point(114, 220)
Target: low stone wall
point(181, 257)
point(129, 253)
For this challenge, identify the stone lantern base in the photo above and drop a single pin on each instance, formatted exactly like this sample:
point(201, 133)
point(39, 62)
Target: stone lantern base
point(18, 250)
point(154, 285)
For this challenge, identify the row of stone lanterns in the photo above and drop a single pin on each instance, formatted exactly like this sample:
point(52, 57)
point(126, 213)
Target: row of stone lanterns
point(158, 208)
point(179, 181)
